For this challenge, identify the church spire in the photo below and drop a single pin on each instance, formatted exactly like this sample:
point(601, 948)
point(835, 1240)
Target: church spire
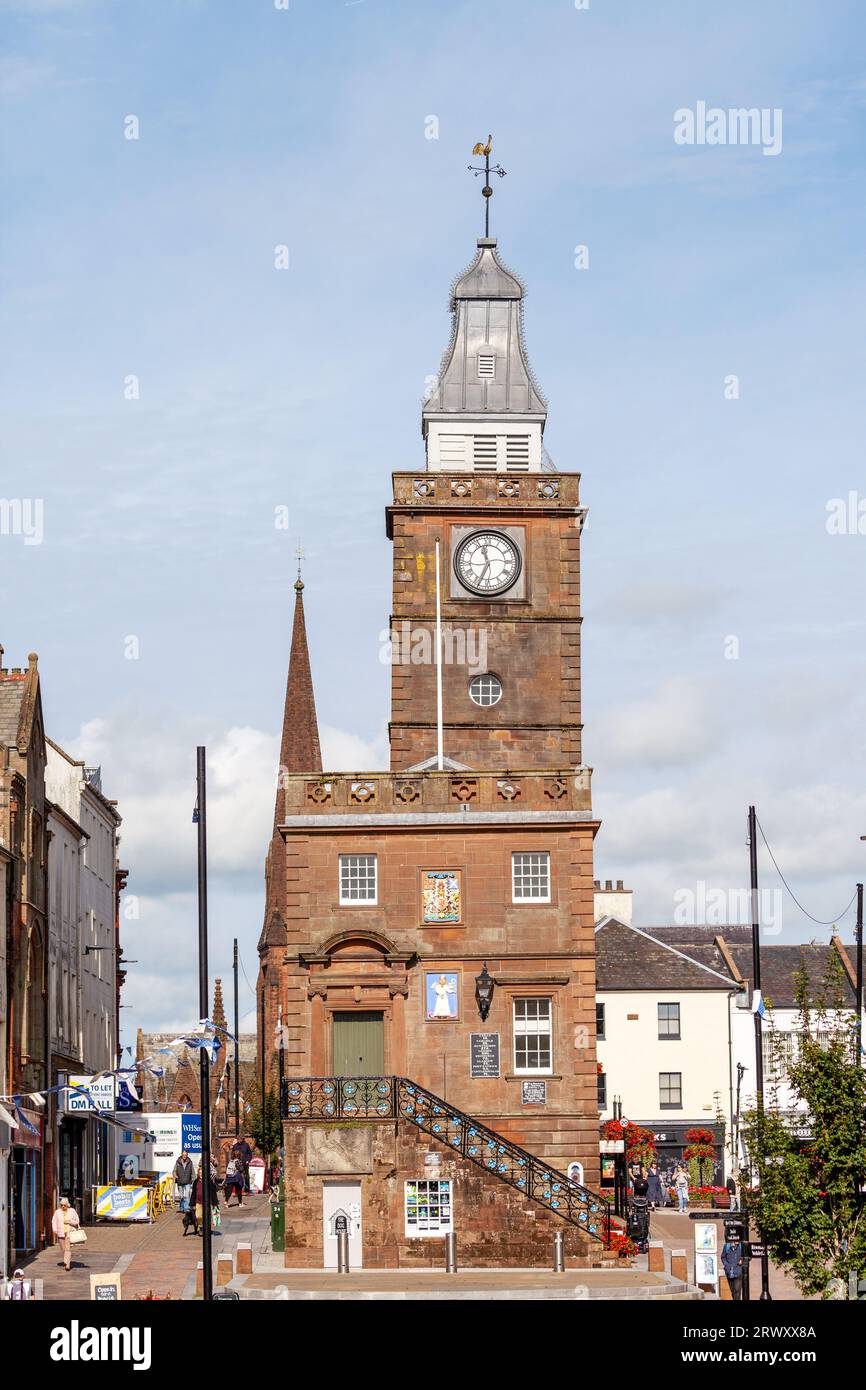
point(299, 745)
point(219, 1014)
point(299, 752)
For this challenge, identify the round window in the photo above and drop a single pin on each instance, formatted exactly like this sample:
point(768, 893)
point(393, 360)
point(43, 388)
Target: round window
point(486, 689)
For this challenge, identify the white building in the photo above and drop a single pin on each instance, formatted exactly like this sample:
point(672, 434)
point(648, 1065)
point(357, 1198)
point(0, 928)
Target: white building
point(664, 1040)
point(82, 861)
point(782, 1024)
point(676, 1032)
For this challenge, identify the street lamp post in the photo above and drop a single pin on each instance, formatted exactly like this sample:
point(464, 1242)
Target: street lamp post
point(484, 992)
point(756, 998)
point(204, 1056)
point(858, 1029)
point(237, 1050)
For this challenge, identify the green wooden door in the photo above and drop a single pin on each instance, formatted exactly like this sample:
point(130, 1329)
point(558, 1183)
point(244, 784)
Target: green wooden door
point(359, 1044)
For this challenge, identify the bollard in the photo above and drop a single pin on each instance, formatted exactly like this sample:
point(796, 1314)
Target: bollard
point(342, 1252)
point(559, 1252)
point(656, 1257)
point(451, 1253)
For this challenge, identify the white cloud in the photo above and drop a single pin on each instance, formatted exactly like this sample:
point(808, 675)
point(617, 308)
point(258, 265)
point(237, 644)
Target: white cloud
point(672, 726)
point(345, 752)
point(149, 767)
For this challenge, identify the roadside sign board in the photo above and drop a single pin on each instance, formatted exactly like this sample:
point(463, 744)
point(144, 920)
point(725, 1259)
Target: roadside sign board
point(84, 1095)
point(105, 1288)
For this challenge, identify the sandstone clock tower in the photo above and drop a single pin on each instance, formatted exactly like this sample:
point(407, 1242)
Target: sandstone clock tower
point(429, 931)
point(509, 532)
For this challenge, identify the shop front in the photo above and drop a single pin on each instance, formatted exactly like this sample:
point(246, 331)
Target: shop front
point(672, 1141)
point(26, 1183)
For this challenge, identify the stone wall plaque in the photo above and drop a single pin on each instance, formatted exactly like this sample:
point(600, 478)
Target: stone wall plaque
point(533, 1092)
point(339, 1149)
point(484, 1054)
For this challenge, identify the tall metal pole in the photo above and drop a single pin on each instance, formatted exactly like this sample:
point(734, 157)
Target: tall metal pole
point(237, 1052)
point(858, 1031)
point(203, 1005)
point(262, 1031)
point(756, 991)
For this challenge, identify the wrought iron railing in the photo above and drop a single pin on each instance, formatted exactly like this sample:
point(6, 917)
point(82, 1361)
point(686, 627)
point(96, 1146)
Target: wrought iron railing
point(397, 1098)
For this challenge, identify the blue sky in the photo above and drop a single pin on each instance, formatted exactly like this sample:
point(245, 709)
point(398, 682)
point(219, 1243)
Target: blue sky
point(262, 388)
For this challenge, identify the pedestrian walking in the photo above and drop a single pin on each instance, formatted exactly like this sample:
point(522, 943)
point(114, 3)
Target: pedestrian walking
point(681, 1183)
point(198, 1201)
point(63, 1223)
point(234, 1182)
point(732, 1260)
point(242, 1151)
point(19, 1289)
point(183, 1178)
point(655, 1189)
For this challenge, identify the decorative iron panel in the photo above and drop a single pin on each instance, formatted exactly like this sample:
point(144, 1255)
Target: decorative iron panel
point(395, 1097)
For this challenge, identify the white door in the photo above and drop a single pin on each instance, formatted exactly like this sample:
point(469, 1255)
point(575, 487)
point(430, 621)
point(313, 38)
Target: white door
point(342, 1199)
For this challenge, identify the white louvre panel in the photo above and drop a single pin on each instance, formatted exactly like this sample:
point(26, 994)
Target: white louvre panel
point(484, 453)
point(517, 453)
point(486, 364)
point(452, 450)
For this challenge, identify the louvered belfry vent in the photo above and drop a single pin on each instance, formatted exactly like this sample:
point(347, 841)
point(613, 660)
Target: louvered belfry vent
point(486, 364)
point(484, 453)
point(517, 453)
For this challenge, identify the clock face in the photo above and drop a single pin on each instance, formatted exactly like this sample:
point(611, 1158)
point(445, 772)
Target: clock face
point(487, 562)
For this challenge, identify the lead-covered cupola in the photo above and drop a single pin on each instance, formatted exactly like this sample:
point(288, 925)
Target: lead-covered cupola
point(485, 412)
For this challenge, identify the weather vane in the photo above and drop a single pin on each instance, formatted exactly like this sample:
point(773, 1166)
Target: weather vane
point(487, 191)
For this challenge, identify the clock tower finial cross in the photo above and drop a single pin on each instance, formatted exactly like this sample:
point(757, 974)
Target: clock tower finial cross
point(487, 190)
point(299, 583)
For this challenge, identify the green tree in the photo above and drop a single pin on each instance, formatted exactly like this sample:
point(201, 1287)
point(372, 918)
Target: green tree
point(809, 1201)
point(266, 1128)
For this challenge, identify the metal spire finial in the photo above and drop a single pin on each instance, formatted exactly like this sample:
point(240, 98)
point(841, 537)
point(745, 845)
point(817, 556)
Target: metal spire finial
point(487, 190)
point(299, 583)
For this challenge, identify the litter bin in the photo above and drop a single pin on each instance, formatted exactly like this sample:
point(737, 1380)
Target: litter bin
point(278, 1224)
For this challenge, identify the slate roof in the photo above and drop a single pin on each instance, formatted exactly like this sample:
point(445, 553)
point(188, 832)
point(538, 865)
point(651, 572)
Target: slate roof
point(779, 966)
point(651, 958)
point(630, 958)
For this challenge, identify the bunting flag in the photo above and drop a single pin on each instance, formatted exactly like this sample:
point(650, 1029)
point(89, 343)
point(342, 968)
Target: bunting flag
point(142, 1064)
point(23, 1121)
point(758, 1005)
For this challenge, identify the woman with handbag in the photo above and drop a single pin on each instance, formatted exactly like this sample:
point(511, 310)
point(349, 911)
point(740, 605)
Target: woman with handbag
point(66, 1227)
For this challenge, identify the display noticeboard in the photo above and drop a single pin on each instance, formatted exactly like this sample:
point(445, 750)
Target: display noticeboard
point(484, 1054)
point(105, 1288)
point(533, 1092)
point(706, 1255)
point(122, 1203)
